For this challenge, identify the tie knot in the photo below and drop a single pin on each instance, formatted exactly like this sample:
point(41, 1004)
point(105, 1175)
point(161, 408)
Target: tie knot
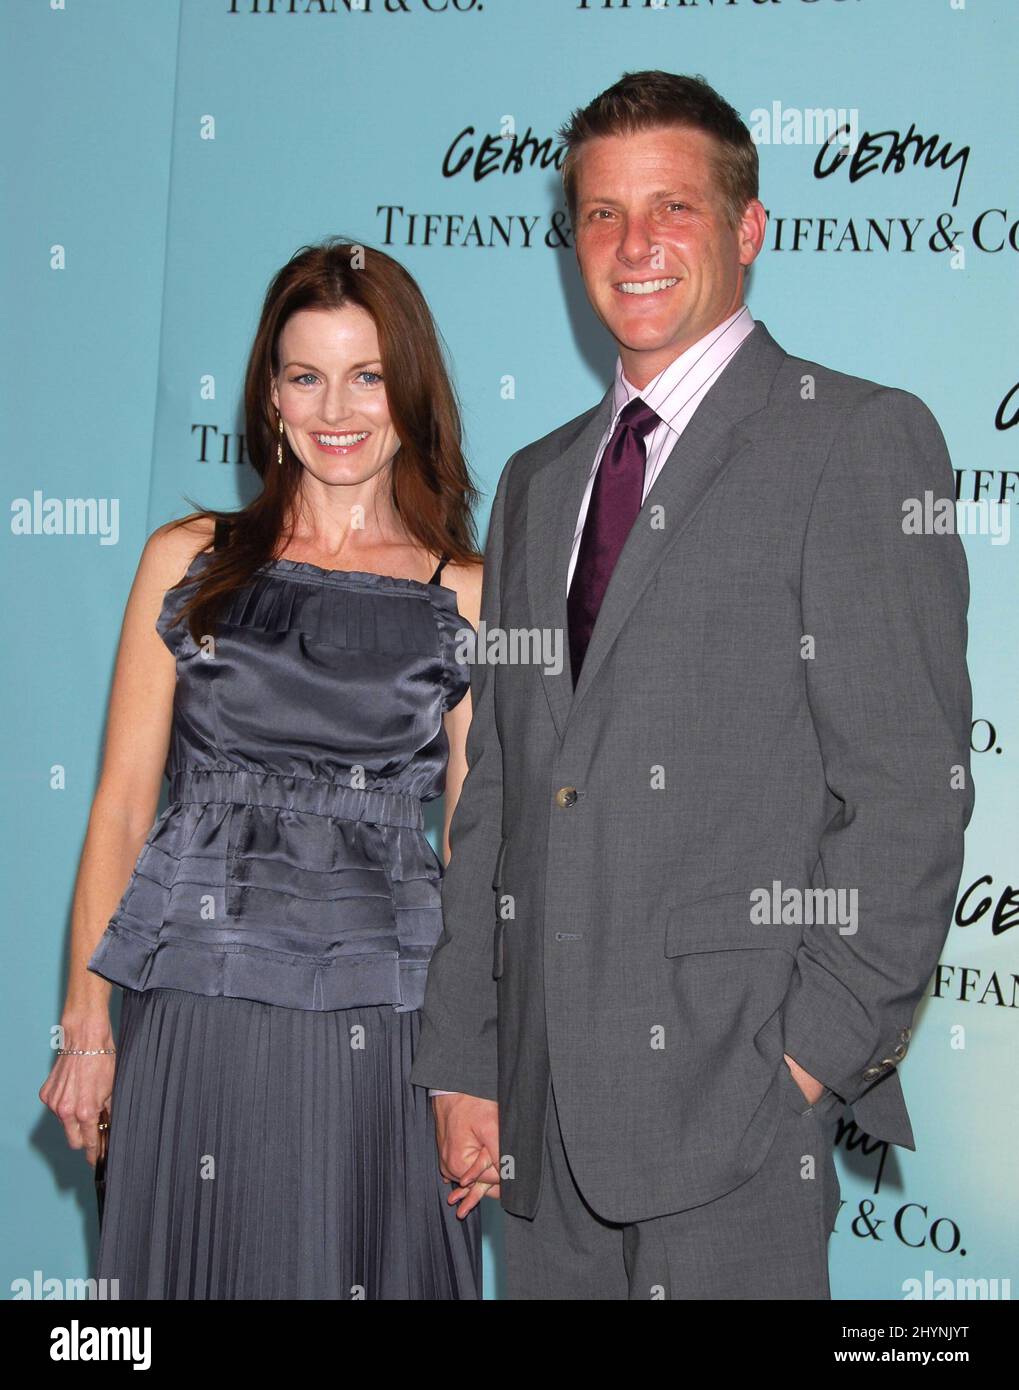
point(638, 416)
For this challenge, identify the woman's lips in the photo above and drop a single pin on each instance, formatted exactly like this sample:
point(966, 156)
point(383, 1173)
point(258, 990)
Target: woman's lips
point(340, 448)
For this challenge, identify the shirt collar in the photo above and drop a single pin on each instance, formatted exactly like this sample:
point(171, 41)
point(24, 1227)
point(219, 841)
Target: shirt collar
point(669, 392)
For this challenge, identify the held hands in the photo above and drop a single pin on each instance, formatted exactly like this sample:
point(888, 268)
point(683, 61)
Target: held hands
point(812, 1089)
point(467, 1135)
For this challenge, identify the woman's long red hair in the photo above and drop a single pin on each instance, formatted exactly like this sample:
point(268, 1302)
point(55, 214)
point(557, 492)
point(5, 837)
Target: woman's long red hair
point(432, 490)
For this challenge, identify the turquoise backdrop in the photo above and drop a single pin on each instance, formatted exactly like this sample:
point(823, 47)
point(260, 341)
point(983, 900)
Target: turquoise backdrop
point(165, 158)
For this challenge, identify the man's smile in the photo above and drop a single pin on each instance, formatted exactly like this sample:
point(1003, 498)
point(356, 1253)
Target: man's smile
point(644, 288)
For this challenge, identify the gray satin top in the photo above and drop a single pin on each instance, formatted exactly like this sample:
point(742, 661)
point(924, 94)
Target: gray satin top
point(291, 864)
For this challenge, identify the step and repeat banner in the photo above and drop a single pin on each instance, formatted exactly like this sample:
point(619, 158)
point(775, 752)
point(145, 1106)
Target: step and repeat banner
point(166, 158)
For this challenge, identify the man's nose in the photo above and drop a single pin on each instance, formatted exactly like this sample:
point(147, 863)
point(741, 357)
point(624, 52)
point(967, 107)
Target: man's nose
point(636, 242)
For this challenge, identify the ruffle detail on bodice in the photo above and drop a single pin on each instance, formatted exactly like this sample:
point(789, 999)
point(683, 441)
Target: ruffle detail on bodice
point(257, 897)
point(291, 865)
point(458, 640)
point(338, 608)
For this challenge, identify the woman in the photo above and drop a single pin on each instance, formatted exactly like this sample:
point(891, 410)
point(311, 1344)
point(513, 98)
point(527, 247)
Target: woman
point(301, 663)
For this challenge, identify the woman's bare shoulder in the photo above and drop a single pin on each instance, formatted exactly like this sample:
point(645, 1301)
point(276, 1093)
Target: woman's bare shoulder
point(465, 581)
point(171, 548)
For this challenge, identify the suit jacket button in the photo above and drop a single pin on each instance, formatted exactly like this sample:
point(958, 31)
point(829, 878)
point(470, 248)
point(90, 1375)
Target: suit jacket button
point(566, 796)
point(872, 1073)
point(899, 1052)
point(905, 1035)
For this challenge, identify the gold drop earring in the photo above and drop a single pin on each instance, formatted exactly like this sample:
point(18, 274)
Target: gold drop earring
point(279, 446)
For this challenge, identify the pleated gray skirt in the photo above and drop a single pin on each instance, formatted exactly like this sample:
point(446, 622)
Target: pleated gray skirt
point(259, 1152)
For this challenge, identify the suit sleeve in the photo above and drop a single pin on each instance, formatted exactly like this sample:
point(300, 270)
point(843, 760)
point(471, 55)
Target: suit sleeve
point(457, 1049)
point(889, 696)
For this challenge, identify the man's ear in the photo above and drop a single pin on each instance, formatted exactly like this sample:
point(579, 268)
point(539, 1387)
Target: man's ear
point(751, 230)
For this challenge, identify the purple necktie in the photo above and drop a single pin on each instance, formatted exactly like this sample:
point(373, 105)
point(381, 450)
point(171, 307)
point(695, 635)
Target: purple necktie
point(615, 501)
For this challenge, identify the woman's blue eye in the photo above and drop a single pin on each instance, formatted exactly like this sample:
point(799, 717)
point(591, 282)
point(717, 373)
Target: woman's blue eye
point(310, 376)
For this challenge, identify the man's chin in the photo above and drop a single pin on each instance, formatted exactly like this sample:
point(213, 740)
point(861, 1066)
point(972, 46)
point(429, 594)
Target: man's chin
point(644, 338)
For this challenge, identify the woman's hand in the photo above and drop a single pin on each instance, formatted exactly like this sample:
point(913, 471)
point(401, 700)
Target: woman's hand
point(134, 756)
point(467, 1135)
point(77, 1088)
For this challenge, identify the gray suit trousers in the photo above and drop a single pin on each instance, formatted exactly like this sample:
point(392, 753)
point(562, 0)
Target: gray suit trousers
point(765, 1239)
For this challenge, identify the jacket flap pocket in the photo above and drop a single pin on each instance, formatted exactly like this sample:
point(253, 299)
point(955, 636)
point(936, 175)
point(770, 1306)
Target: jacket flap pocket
point(497, 875)
point(497, 959)
point(723, 923)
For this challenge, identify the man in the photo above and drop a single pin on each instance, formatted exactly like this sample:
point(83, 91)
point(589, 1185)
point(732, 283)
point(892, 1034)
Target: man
point(725, 840)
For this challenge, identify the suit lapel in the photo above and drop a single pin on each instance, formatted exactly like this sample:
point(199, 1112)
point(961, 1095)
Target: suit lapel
point(699, 457)
point(553, 504)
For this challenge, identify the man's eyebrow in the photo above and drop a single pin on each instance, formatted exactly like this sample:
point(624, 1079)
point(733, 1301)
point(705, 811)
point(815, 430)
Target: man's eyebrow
point(677, 193)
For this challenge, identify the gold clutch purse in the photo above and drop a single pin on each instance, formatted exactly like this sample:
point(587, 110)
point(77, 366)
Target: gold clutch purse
point(100, 1171)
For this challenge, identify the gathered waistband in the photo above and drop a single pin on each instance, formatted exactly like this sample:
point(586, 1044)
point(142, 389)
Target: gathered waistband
point(314, 795)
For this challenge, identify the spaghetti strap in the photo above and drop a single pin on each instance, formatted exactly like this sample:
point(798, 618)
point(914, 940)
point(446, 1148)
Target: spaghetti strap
point(438, 570)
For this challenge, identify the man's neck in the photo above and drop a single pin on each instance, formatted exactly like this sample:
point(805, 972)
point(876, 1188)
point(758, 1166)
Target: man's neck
point(640, 368)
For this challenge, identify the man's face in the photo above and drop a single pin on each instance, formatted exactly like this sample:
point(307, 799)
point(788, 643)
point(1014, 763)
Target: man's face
point(660, 262)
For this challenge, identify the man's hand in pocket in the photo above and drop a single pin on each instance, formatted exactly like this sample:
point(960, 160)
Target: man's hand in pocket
point(812, 1090)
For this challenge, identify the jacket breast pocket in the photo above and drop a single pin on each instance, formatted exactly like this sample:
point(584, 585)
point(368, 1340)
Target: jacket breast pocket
point(723, 922)
point(500, 925)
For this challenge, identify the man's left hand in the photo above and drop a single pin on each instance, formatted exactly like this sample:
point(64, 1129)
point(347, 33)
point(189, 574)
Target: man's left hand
point(812, 1090)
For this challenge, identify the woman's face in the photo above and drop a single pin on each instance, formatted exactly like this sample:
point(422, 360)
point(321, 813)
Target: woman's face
point(331, 395)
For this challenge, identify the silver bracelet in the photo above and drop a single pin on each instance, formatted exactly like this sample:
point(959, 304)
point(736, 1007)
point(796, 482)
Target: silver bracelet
point(84, 1052)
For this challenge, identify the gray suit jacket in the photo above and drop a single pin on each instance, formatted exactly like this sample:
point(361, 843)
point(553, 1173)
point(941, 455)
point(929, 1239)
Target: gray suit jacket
point(775, 692)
